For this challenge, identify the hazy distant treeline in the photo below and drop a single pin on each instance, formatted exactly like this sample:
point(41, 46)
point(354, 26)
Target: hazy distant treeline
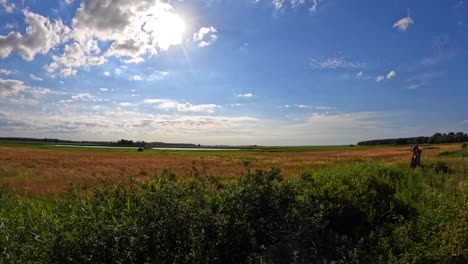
point(437, 138)
point(119, 143)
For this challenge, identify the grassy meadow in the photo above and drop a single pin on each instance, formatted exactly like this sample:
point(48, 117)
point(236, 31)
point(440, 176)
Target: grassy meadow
point(271, 205)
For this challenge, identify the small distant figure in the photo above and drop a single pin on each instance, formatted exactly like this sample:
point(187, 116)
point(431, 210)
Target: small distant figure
point(416, 157)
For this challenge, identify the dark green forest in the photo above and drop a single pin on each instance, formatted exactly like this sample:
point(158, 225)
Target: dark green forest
point(437, 138)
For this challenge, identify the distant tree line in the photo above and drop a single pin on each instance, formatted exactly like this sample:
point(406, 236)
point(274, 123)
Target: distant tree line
point(437, 138)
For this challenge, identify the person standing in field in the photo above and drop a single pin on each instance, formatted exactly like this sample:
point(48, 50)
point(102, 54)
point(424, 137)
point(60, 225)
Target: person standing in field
point(416, 157)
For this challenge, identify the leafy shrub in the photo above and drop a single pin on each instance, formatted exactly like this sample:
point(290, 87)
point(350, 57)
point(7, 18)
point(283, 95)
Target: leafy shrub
point(351, 214)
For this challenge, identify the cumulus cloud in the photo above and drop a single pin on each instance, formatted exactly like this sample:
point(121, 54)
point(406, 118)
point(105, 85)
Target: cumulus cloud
point(107, 73)
point(68, 72)
point(75, 55)
point(134, 28)
point(170, 105)
point(403, 24)
point(335, 63)
point(205, 36)
point(41, 35)
point(391, 74)
point(379, 78)
point(11, 87)
point(129, 30)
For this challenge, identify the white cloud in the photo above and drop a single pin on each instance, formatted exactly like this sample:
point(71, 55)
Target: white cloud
point(137, 77)
point(134, 60)
point(335, 63)
point(117, 71)
point(359, 75)
point(314, 5)
point(133, 27)
point(35, 78)
point(6, 72)
point(303, 106)
point(68, 1)
point(380, 78)
point(281, 4)
point(84, 97)
point(205, 36)
point(107, 73)
point(68, 72)
point(9, 7)
point(11, 87)
point(41, 36)
point(170, 105)
point(104, 89)
point(391, 74)
point(96, 60)
point(403, 24)
point(125, 104)
point(108, 124)
point(246, 95)
point(75, 55)
point(414, 86)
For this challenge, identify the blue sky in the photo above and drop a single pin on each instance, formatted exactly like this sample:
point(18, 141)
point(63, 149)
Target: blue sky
point(268, 72)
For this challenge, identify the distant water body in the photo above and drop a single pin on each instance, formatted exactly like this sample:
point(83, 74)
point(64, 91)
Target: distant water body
point(108, 147)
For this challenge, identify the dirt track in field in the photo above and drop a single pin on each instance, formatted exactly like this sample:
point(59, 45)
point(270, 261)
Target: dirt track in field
point(43, 171)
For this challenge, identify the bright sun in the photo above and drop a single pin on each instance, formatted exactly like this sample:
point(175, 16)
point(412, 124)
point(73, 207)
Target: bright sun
point(168, 30)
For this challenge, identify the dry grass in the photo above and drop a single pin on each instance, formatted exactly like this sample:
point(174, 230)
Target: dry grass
point(40, 171)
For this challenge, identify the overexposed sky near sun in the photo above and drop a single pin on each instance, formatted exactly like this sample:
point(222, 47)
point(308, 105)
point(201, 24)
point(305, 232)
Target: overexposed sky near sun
point(269, 72)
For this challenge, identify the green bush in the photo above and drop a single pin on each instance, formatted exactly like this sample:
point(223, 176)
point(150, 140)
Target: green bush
point(351, 214)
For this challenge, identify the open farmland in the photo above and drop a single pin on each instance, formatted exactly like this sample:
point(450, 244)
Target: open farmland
point(323, 205)
point(39, 169)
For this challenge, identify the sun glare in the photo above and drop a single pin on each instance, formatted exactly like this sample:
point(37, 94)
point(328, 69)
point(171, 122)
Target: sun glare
point(168, 30)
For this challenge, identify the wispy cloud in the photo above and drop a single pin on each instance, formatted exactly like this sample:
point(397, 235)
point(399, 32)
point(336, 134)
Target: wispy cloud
point(379, 78)
point(423, 79)
point(171, 105)
point(335, 63)
point(35, 78)
point(281, 4)
point(440, 57)
point(403, 24)
point(246, 95)
point(6, 72)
